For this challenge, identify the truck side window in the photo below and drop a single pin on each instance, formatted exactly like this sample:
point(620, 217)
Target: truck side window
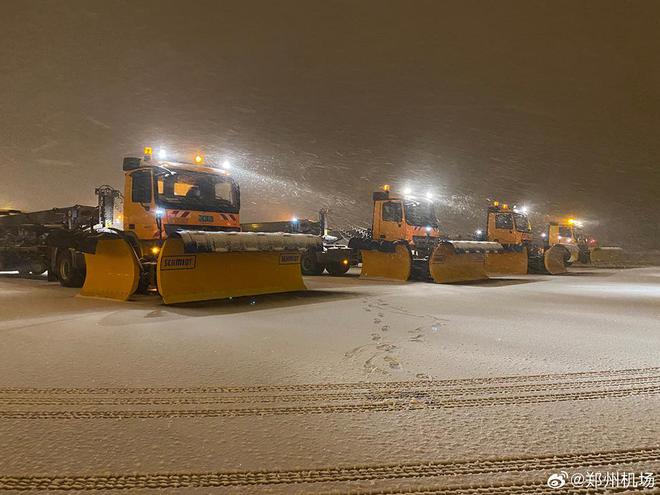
point(504, 221)
point(392, 211)
point(141, 190)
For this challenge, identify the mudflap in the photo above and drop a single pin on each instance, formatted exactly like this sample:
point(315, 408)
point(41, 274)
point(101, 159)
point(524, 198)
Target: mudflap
point(202, 276)
point(113, 272)
point(448, 265)
point(607, 257)
point(507, 262)
point(390, 264)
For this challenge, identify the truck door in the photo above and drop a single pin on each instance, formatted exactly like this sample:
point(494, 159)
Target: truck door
point(139, 206)
point(388, 221)
point(501, 228)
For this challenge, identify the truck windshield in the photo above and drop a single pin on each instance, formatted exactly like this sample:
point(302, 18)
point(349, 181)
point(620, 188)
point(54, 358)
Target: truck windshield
point(197, 191)
point(565, 231)
point(420, 214)
point(522, 222)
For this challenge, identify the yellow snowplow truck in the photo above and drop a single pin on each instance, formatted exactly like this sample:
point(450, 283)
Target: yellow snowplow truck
point(181, 235)
point(405, 243)
point(520, 255)
point(591, 253)
point(510, 228)
point(563, 233)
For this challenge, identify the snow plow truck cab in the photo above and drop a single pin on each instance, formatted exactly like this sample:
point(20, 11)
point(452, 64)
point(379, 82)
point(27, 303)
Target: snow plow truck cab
point(520, 255)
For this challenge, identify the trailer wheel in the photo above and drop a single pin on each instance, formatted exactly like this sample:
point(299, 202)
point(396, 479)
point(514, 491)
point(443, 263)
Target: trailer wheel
point(337, 269)
point(309, 265)
point(68, 273)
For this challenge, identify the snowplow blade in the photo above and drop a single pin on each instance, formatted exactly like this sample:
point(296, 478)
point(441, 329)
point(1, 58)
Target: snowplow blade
point(508, 262)
point(200, 266)
point(460, 261)
point(113, 272)
point(391, 263)
point(552, 262)
point(607, 256)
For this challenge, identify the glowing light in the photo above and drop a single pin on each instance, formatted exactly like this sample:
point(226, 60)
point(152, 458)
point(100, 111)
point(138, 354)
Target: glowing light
point(159, 212)
point(429, 228)
point(344, 262)
point(198, 158)
point(162, 154)
point(544, 235)
point(524, 209)
point(226, 165)
point(479, 232)
point(429, 195)
point(407, 191)
point(386, 188)
point(155, 250)
point(294, 219)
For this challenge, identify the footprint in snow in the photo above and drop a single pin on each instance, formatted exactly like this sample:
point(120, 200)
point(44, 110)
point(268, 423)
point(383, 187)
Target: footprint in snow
point(386, 347)
point(354, 351)
point(392, 362)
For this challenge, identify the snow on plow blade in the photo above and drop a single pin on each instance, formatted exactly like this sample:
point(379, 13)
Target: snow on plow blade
point(460, 261)
point(113, 271)
point(508, 261)
point(391, 262)
point(199, 266)
point(607, 256)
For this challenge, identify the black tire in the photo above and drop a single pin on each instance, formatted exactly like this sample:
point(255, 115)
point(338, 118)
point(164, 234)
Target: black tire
point(337, 269)
point(309, 265)
point(68, 273)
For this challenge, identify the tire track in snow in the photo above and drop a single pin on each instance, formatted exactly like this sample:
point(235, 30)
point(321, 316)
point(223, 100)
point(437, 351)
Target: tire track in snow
point(397, 393)
point(531, 488)
point(313, 387)
point(524, 465)
point(377, 406)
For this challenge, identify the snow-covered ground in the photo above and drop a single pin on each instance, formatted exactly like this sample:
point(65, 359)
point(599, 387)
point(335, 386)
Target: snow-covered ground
point(354, 386)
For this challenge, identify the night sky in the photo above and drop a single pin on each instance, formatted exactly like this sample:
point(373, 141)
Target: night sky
point(317, 103)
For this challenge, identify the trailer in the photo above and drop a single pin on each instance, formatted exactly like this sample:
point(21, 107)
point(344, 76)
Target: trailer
point(333, 256)
point(177, 234)
point(46, 241)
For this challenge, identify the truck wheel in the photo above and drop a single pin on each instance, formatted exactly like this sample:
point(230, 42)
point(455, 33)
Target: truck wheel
point(68, 274)
point(338, 268)
point(309, 265)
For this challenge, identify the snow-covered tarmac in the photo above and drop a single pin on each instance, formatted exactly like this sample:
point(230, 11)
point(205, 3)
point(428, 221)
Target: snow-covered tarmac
point(352, 387)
